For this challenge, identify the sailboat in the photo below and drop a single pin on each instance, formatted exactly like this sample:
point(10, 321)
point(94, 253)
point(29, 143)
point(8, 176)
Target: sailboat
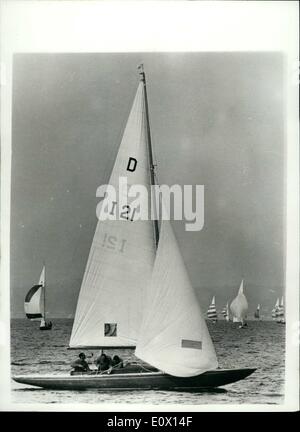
point(239, 307)
point(257, 312)
point(274, 311)
point(136, 292)
point(35, 302)
point(212, 311)
point(225, 312)
point(280, 319)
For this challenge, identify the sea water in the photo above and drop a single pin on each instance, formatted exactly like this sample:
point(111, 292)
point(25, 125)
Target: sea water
point(260, 345)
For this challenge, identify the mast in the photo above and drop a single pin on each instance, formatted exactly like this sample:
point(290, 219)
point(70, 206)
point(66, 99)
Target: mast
point(152, 166)
point(44, 288)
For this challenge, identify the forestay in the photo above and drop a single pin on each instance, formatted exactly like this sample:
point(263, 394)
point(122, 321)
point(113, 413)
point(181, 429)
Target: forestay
point(110, 303)
point(174, 336)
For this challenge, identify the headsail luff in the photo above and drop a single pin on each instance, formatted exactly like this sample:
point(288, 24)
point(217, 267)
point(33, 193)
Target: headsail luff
point(212, 311)
point(174, 336)
point(239, 305)
point(34, 304)
point(110, 303)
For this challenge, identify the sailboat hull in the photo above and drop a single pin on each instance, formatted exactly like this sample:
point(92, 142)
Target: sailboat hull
point(136, 381)
point(47, 326)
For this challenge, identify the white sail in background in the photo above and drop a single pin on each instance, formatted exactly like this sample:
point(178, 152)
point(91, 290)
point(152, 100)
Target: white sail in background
point(275, 309)
point(280, 311)
point(225, 312)
point(257, 312)
point(212, 311)
point(34, 300)
point(174, 337)
point(239, 305)
point(110, 304)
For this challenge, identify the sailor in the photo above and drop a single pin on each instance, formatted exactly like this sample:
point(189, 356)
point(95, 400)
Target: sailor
point(117, 362)
point(80, 365)
point(104, 363)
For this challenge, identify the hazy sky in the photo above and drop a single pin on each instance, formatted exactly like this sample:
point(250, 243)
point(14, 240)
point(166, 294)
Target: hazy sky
point(216, 119)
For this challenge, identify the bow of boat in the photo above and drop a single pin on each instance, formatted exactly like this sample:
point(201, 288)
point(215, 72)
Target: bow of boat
point(220, 377)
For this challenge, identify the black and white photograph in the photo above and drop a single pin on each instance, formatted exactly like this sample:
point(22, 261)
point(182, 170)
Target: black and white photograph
point(151, 254)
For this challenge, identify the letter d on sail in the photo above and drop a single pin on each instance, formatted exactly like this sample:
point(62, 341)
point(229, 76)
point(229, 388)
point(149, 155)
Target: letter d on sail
point(131, 161)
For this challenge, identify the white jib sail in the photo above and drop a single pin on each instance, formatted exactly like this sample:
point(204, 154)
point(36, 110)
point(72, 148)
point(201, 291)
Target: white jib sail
point(110, 304)
point(239, 305)
point(174, 337)
point(34, 300)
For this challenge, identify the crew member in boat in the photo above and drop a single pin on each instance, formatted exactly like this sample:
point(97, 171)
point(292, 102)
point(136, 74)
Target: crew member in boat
point(117, 362)
point(80, 364)
point(103, 362)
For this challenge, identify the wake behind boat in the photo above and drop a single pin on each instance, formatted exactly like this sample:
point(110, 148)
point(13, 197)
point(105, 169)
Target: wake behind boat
point(139, 263)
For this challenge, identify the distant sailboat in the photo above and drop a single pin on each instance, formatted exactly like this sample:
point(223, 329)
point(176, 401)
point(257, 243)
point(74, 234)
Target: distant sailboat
point(274, 311)
point(35, 303)
point(212, 311)
point(239, 307)
point(257, 312)
point(280, 315)
point(136, 292)
point(225, 312)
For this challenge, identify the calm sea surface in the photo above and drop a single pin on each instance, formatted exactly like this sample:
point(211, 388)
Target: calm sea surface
point(260, 345)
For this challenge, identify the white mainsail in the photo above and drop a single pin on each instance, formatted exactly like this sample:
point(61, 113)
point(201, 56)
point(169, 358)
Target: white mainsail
point(239, 305)
point(34, 301)
point(110, 304)
point(212, 311)
point(174, 337)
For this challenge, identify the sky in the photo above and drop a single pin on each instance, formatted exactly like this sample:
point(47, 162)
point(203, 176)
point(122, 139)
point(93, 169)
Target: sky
point(217, 119)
